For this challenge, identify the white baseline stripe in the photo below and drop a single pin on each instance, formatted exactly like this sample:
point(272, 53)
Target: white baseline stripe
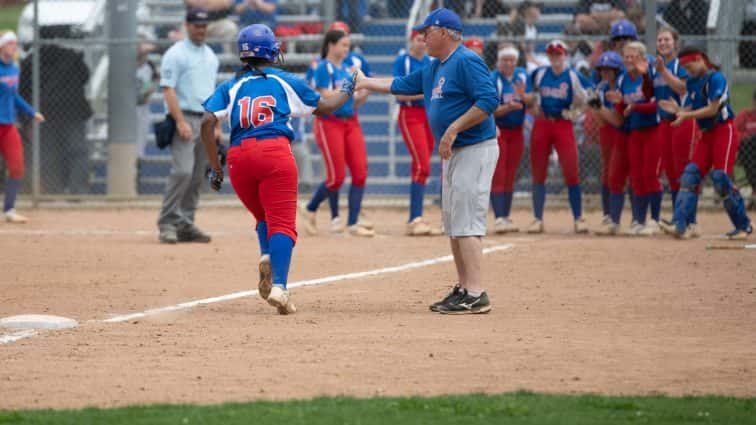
point(312, 282)
point(5, 339)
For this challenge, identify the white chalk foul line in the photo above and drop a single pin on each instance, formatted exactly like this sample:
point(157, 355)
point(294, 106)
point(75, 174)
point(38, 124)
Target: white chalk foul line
point(15, 336)
point(312, 282)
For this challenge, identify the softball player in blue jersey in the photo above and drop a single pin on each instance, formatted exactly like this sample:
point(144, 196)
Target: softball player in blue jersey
point(258, 103)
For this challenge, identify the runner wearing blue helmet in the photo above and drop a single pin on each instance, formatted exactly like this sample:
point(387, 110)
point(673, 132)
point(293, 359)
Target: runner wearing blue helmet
point(258, 103)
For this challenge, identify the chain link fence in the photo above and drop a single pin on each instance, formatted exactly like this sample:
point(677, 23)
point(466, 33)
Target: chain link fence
point(73, 74)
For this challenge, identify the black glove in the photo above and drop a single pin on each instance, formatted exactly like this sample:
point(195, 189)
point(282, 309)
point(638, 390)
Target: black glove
point(216, 179)
point(222, 153)
point(594, 102)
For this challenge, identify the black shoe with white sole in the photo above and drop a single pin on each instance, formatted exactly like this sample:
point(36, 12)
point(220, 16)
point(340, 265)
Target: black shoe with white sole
point(466, 304)
point(456, 292)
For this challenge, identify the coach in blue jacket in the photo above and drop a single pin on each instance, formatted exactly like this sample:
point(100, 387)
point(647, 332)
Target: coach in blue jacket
point(459, 101)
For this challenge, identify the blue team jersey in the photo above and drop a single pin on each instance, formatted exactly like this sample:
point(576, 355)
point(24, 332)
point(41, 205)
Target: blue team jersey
point(602, 88)
point(632, 92)
point(451, 87)
point(331, 77)
point(559, 92)
point(662, 90)
point(260, 106)
point(356, 60)
point(706, 89)
point(505, 93)
point(10, 100)
point(405, 65)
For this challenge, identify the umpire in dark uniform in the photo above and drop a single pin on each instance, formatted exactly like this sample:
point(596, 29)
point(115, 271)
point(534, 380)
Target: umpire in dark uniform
point(188, 73)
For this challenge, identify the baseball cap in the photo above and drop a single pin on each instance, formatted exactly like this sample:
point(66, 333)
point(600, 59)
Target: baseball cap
point(623, 29)
point(474, 42)
point(197, 16)
point(339, 26)
point(441, 18)
point(556, 46)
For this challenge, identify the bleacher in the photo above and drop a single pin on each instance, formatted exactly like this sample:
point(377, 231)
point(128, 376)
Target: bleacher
point(382, 38)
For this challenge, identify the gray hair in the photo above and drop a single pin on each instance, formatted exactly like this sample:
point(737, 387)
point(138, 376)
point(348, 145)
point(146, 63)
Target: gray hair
point(454, 35)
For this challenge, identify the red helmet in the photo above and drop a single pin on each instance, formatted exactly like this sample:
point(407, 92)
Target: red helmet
point(339, 26)
point(474, 43)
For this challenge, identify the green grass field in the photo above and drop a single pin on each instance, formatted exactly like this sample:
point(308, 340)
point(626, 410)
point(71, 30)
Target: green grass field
point(9, 17)
point(516, 408)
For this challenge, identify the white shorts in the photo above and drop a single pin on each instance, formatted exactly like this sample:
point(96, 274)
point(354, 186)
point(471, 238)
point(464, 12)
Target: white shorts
point(466, 188)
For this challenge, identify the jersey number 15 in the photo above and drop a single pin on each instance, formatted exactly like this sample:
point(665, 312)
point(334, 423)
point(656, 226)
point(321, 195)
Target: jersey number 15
point(260, 113)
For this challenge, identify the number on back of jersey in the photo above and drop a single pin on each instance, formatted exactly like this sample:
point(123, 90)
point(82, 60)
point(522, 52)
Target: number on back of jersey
point(257, 112)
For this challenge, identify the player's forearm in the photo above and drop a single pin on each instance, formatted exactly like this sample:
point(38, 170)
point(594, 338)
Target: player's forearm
point(360, 97)
point(171, 100)
point(380, 85)
point(609, 116)
point(677, 85)
point(207, 135)
point(328, 105)
point(503, 110)
point(708, 111)
point(472, 117)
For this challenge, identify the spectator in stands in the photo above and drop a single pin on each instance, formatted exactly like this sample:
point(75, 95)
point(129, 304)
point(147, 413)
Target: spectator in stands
point(745, 122)
point(352, 12)
point(475, 44)
point(220, 26)
point(595, 16)
point(65, 149)
point(257, 12)
point(688, 17)
point(522, 23)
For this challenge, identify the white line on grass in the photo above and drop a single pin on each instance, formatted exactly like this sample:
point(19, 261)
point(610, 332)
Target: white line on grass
point(312, 282)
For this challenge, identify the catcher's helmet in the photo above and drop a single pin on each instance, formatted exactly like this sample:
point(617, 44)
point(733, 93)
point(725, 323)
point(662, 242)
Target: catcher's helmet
point(258, 41)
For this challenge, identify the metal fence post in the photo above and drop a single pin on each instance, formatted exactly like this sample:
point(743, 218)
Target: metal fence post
point(651, 26)
point(122, 98)
point(35, 102)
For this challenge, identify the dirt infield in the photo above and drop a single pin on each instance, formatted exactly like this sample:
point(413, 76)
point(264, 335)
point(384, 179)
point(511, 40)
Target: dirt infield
point(571, 315)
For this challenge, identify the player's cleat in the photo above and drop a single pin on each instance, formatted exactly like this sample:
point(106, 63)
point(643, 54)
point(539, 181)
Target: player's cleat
point(280, 299)
point(581, 227)
point(455, 292)
point(606, 220)
point(739, 234)
point(337, 226)
point(11, 216)
point(168, 236)
point(634, 229)
point(363, 221)
point(535, 227)
point(504, 225)
point(193, 234)
point(436, 230)
point(607, 229)
point(311, 227)
point(357, 230)
point(266, 277)
point(466, 304)
point(670, 228)
point(417, 227)
point(693, 230)
point(650, 229)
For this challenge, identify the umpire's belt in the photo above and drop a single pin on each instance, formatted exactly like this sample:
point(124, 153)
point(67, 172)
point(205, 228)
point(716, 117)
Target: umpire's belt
point(192, 113)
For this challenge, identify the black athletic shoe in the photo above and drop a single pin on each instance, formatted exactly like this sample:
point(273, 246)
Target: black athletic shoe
point(456, 291)
point(193, 234)
point(466, 304)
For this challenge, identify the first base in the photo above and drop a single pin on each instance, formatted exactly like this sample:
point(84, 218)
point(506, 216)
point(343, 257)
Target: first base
point(37, 321)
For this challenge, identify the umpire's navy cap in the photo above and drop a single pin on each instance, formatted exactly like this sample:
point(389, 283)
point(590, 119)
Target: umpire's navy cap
point(441, 18)
point(197, 16)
